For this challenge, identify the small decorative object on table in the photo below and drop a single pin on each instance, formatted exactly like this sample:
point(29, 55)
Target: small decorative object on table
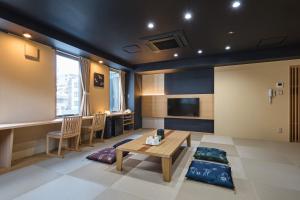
point(161, 133)
point(153, 140)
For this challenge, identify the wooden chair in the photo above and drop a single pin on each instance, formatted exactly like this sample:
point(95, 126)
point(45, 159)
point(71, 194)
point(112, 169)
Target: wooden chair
point(71, 127)
point(98, 124)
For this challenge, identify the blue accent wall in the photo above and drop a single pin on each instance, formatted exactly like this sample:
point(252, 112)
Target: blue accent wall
point(192, 81)
point(190, 125)
point(196, 81)
point(133, 89)
point(138, 101)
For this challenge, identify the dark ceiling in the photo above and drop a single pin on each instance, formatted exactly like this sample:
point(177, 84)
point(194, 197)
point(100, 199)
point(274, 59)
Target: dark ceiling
point(108, 26)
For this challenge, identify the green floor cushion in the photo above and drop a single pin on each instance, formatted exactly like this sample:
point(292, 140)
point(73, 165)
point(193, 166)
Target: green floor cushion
point(211, 173)
point(211, 154)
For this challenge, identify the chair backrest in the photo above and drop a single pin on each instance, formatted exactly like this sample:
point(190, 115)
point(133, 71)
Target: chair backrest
point(99, 121)
point(71, 126)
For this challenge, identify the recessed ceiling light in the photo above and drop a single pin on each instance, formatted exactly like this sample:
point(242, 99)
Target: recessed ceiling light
point(199, 51)
point(227, 48)
point(230, 33)
point(100, 61)
point(27, 35)
point(188, 16)
point(150, 25)
point(175, 55)
point(236, 4)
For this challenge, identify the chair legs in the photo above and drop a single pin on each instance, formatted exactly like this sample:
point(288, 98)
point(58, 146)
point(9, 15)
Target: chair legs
point(60, 143)
point(47, 145)
point(102, 135)
point(91, 138)
point(77, 142)
point(59, 151)
point(59, 147)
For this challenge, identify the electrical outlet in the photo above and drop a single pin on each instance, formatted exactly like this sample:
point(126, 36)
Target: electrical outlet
point(280, 130)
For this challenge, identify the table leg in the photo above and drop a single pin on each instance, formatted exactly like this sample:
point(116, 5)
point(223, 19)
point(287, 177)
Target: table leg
point(119, 159)
point(166, 168)
point(6, 147)
point(188, 141)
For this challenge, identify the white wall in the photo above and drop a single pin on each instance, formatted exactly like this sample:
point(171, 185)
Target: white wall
point(241, 102)
point(27, 87)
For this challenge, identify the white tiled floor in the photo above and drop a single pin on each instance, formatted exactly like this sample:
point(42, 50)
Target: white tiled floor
point(261, 170)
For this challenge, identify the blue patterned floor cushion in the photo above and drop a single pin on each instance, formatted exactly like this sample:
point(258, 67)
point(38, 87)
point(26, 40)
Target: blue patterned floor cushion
point(212, 173)
point(122, 142)
point(211, 154)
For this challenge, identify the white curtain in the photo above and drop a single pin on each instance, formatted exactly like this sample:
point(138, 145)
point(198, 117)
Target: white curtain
point(122, 91)
point(85, 83)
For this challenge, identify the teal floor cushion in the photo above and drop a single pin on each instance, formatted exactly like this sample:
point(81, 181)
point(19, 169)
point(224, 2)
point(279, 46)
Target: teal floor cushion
point(211, 154)
point(211, 173)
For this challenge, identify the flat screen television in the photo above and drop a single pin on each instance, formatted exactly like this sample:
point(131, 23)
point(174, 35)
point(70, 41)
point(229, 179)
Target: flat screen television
point(183, 107)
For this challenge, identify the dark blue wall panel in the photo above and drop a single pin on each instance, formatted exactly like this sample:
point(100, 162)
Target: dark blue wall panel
point(133, 87)
point(190, 125)
point(192, 81)
point(138, 101)
point(195, 81)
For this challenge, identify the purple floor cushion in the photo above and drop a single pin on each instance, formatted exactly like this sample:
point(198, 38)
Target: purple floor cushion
point(122, 142)
point(106, 155)
point(211, 173)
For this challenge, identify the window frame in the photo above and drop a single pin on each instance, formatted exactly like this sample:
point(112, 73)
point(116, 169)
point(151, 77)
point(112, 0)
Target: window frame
point(116, 71)
point(73, 57)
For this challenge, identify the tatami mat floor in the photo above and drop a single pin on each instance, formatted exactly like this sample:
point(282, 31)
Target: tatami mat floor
point(262, 170)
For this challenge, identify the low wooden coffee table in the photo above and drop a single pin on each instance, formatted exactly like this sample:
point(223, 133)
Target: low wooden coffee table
point(173, 140)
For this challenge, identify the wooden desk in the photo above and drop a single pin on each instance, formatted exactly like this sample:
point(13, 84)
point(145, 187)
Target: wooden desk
point(7, 135)
point(173, 140)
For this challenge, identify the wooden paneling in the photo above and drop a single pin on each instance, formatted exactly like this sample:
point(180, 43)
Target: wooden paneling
point(153, 84)
point(156, 106)
point(294, 104)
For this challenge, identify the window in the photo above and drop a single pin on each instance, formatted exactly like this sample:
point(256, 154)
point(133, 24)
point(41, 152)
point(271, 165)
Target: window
point(68, 86)
point(115, 91)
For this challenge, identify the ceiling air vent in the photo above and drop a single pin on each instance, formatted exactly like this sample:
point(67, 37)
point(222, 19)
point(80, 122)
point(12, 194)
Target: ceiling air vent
point(171, 40)
point(132, 48)
point(271, 42)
